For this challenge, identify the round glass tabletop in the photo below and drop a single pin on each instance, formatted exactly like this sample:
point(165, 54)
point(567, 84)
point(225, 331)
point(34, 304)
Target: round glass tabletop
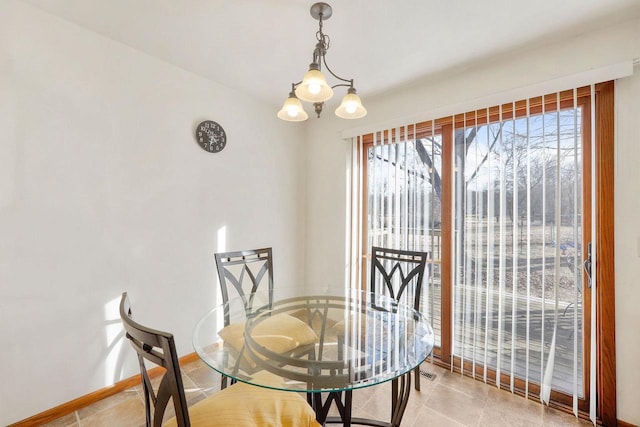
point(314, 343)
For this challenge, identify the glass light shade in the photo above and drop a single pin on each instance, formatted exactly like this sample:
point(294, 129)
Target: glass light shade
point(292, 110)
point(314, 87)
point(351, 106)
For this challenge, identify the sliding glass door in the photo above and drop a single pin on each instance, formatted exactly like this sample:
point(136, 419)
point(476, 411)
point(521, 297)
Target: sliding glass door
point(520, 230)
point(501, 200)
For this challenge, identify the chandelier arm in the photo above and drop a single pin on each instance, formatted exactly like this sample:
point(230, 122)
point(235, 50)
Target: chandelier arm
point(350, 81)
point(343, 84)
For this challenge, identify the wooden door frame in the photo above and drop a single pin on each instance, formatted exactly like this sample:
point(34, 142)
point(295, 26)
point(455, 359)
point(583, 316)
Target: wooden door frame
point(605, 262)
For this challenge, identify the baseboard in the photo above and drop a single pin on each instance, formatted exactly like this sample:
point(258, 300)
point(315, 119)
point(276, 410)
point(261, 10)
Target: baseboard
point(88, 399)
point(625, 424)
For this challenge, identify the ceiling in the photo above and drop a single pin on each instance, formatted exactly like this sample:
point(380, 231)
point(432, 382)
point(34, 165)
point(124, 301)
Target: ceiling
point(262, 46)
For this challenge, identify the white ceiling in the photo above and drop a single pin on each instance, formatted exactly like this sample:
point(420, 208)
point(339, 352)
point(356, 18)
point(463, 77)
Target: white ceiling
point(262, 46)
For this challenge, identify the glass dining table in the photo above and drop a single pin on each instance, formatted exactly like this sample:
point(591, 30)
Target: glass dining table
point(324, 345)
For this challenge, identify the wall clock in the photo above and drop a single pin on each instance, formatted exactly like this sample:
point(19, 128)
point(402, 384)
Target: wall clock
point(211, 136)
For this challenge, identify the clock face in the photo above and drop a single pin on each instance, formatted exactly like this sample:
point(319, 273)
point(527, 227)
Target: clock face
point(211, 137)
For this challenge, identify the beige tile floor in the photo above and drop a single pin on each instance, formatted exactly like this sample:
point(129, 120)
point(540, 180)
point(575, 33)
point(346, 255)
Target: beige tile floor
point(448, 400)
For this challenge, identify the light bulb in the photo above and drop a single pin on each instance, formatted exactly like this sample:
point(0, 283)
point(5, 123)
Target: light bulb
point(314, 88)
point(292, 111)
point(351, 106)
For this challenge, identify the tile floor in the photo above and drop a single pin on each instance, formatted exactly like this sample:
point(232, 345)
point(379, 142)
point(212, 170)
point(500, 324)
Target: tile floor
point(448, 400)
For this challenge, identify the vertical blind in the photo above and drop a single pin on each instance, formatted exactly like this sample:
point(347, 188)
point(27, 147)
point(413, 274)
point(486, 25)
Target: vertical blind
point(396, 203)
point(402, 188)
point(518, 227)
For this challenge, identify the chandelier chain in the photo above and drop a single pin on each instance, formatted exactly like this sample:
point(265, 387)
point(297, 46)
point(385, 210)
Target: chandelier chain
point(324, 42)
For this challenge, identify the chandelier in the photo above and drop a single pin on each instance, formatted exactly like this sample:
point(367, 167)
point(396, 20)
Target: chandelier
point(314, 87)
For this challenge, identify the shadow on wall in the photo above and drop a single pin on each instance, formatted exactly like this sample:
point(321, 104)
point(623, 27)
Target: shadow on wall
point(117, 348)
point(114, 337)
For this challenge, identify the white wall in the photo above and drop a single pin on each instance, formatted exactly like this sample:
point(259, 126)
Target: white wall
point(104, 189)
point(627, 247)
point(474, 87)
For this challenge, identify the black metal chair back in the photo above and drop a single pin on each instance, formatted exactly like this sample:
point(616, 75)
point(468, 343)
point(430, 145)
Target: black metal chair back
point(159, 348)
point(246, 272)
point(399, 274)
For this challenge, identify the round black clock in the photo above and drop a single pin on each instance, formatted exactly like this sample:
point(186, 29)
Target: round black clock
point(211, 137)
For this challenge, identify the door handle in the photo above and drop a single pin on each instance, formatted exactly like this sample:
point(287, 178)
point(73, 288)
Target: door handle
point(587, 265)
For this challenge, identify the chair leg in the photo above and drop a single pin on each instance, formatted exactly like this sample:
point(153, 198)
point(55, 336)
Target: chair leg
point(226, 381)
point(416, 371)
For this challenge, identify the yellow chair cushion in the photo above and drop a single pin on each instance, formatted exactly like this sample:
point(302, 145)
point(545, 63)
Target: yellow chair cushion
point(279, 333)
point(244, 405)
point(341, 326)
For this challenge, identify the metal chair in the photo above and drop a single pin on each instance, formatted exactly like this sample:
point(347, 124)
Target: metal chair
point(239, 405)
point(159, 348)
point(243, 273)
point(399, 274)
